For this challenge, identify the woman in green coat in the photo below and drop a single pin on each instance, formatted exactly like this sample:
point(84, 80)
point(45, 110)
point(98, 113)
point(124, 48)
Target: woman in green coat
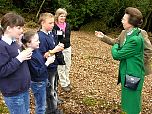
point(131, 57)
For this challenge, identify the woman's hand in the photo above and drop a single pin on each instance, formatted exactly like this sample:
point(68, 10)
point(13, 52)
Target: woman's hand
point(99, 34)
point(46, 55)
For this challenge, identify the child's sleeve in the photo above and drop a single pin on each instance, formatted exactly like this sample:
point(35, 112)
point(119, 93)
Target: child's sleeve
point(42, 46)
point(7, 65)
point(36, 68)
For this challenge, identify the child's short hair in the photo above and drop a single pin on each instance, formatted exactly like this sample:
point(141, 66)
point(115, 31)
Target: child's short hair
point(44, 16)
point(59, 12)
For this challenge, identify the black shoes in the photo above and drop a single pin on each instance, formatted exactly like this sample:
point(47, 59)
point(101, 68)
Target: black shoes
point(60, 100)
point(57, 111)
point(68, 88)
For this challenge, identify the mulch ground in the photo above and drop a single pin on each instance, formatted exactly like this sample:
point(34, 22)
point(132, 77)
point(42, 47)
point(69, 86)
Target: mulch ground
point(94, 79)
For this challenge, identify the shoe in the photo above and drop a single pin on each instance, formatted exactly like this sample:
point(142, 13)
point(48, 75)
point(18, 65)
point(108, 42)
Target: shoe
point(67, 89)
point(58, 111)
point(60, 100)
point(70, 86)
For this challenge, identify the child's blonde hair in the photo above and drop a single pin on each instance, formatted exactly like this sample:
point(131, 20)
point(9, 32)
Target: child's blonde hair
point(44, 16)
point(59, 12)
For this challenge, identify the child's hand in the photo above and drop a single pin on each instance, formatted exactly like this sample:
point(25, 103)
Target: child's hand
point(50, 60)
point(46, 55)
point(59, 47)
point(25, 55)
point(99, 34)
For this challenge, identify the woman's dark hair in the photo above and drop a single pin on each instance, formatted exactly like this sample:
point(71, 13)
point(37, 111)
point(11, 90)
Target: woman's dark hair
point(135, 18)
point(26, 38)
point(11, 19)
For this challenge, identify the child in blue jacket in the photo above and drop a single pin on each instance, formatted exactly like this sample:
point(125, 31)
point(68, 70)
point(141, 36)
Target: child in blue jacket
point(14, 71)
point(38, 70)
point(49, 46)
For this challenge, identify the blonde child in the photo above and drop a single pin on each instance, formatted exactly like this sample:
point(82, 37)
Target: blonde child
point(49, 46)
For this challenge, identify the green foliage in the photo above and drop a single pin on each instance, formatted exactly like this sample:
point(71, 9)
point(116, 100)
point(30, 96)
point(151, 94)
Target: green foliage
point(5, 3)
point(31, 24)
point(81, 13)
point(6, 6)
point(109, 12)
point(95, 25)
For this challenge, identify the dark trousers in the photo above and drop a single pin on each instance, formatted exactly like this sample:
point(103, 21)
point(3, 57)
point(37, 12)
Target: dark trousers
point(51, 92)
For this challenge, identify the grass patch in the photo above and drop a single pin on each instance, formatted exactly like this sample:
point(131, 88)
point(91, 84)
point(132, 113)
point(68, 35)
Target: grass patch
point(89, 101)
point(3, 109)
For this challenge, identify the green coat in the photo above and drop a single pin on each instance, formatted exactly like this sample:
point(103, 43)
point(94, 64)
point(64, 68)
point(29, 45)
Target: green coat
point(147, 47)
point(131, 57)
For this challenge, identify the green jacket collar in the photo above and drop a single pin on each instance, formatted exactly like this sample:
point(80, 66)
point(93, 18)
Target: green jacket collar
point(133, 32)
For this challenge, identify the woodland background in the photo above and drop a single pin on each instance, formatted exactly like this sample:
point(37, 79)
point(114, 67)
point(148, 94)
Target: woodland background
point(93, 72)
point(90, 15)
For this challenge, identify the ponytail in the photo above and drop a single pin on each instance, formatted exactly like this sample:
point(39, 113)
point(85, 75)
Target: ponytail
point(26, 38)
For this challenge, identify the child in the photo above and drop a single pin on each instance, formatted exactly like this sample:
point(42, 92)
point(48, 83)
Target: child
point(38, 70)
point(63, 31)
point(14, 71)
point(47, 47)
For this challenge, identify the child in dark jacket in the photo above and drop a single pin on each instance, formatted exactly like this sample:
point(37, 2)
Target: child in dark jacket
point(14, 71)
point(48, 47)
point(38, 70)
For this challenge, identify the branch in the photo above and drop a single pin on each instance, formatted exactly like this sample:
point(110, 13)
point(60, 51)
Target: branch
point(39, 9)
point(146, 19)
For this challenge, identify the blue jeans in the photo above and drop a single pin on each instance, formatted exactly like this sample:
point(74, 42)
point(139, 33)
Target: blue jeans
point(51, 91)
point(18, 104)
point(39, 91)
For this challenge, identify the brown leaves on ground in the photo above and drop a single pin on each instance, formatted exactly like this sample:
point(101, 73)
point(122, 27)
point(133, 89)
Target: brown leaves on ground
point(94, 79)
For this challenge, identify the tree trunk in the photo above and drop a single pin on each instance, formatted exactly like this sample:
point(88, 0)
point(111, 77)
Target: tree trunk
point(146, 20)
point(149, 26)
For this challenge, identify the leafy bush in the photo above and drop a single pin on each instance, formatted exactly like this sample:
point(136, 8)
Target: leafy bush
point(110, 12)
point(82, 12)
